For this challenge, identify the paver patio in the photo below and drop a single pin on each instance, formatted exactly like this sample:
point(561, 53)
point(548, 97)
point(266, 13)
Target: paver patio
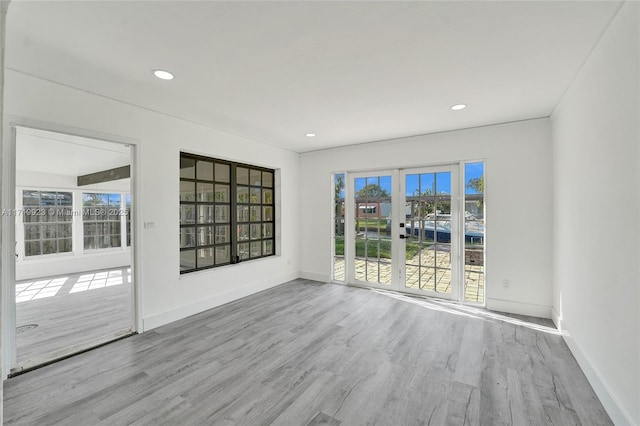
point(433, 265)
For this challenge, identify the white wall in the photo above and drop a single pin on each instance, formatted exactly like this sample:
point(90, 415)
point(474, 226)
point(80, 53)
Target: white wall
point(65, 263)
point(596, 217)
point(518, 202)
point(158, 139)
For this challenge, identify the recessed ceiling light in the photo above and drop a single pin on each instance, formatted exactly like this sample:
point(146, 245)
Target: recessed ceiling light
point(458, 107)
point(310, 135)
point(163, 75)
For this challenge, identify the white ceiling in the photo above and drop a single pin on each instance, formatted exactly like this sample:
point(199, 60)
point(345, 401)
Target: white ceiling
point(351, 72)
point(55, 153)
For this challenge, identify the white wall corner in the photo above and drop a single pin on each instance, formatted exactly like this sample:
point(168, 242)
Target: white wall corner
point(512, 307)
point(556, 318)
point(618, 414)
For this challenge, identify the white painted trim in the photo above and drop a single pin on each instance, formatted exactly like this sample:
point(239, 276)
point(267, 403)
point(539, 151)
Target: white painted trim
point(316, 276)
point(522, 308)
point(166, 317)
point(616, 411)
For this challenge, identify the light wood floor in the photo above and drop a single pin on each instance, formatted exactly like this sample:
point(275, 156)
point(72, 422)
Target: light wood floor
point(306, 353)
point(71, 309)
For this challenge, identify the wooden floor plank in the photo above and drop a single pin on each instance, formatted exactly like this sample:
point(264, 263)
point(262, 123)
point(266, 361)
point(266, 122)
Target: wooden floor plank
point(308, 353)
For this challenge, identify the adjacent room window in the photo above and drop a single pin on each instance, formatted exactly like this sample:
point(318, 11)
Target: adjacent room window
point(127, 206)
point(47, 222)
point(101, 214)
point(227, 212)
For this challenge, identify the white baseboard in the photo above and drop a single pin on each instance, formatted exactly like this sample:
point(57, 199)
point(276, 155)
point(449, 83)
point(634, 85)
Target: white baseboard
point(618, 414)
point(509, 306)
point(156, 320)
point(307, 275)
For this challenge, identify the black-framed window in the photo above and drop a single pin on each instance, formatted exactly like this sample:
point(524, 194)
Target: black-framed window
point(47, 222)
point(227, 212)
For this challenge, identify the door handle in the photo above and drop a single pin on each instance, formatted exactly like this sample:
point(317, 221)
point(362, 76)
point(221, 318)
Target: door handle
point(403, 236)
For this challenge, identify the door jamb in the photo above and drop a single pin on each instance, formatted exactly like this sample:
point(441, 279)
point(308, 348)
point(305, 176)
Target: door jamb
point(8, 223)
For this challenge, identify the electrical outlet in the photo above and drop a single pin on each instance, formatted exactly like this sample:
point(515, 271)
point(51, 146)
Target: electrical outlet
point(505, 283)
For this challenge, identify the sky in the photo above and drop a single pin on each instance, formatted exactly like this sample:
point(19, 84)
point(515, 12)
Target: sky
point(424, 181)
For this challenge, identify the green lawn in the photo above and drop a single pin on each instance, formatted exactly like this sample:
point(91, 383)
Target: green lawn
point(372, 248)
point(371, 224)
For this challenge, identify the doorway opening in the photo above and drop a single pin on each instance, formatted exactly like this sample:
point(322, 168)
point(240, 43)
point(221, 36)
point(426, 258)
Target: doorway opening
point(71, 284)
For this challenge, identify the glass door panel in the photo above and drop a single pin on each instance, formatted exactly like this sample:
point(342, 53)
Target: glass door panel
point(339, 227)
point(373, 246)
point(474, 233)
point(428, 232)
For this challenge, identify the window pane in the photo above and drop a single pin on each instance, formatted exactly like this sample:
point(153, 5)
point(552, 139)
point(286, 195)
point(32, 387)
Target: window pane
point(187, 214)
point(267, 213)
point(31, 215)
point(90, 243)
point(222, 193)
point(267, 196)
point(222, 214)
point(64, 230)
point(187, 168)
point(204, 170)
point(205, 257)
point(48, 214)
point(187, 237)
point(243, 232)
point(222, 234)
point(205, 235)
point(64, 214)
point(187, 260)
point(223, 255)
point(114, 200)
point(49, 246)
point(267, 230)
point(243, 251)
point(205, 214)
point(50, 231)
point(256, 249)
point(255, 177)
point(255, 213)
point(187, 191)
point(31, 198)
point(205, 192)
point(267, 179)
point(255, 195)
point(243, 194)
point(64, 245)
point(32, 232)
point(255, 231)
point(65, 199)
point(242, 176)
point(243, 214)
point(32, 248)
point(47, 198)
point(267, 247)
point(223, 173)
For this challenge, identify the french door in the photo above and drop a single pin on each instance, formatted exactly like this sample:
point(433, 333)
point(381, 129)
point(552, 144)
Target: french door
point(405, 230)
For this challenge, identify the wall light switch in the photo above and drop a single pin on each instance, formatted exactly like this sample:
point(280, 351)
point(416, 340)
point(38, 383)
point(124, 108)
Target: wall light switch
point(149, 225)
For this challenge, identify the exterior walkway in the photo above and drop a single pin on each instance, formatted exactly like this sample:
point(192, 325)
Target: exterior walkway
point(440, 278)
